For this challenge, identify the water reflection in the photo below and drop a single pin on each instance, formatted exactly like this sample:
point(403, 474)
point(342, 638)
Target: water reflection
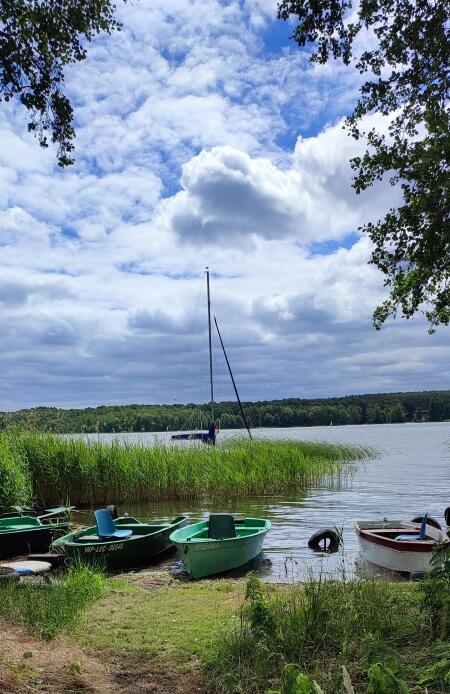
point(411, 475)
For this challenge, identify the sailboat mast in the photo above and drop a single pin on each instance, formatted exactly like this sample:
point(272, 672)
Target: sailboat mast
point(210, 346)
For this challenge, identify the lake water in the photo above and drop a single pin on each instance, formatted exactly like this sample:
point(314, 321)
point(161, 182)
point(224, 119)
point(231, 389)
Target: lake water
point(411, 475)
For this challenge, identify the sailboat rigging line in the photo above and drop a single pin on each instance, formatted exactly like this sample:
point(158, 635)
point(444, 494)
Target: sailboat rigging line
point(190, 339)
point(210, 346)
point(233, 381)
point(189, 421)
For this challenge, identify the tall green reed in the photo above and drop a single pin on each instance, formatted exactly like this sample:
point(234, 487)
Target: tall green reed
point(15, 482)
point(61, 469)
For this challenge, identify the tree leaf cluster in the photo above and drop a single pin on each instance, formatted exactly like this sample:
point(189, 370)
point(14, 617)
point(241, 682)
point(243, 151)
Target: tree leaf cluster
point(38, 39)
point(402, 54)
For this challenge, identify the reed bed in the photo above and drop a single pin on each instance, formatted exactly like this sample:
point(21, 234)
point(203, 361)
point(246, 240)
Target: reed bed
point(58, 470)
point(15, 482)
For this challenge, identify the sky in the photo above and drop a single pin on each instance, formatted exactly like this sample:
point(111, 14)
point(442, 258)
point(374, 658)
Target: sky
point(205, 137)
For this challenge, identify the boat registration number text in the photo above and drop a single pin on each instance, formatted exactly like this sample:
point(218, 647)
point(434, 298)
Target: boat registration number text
point(104, 548)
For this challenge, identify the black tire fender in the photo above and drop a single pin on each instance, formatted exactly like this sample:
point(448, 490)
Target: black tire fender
point(430, 521)
point(325, 540)
point(447, 515)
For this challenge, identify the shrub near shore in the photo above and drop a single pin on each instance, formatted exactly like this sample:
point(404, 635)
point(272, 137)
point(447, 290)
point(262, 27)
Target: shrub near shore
point(54, 470)
point(393, 638)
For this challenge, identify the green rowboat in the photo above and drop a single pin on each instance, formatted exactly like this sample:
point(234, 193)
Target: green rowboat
point(146, 541)
point(219, 544)
point(27, 534)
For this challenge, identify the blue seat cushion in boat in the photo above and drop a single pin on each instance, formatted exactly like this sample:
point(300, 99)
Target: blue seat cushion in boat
point(416, 538)
point(122, 533)
point(106, 527)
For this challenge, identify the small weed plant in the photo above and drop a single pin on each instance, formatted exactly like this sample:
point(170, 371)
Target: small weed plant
point(293, 681)
point(436, 603)
point(49, 608)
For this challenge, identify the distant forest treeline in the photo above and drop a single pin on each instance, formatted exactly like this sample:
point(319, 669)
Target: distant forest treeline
point(381, 408)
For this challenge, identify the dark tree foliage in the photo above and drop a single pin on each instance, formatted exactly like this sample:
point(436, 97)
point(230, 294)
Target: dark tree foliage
point(38, 38)
point(408, 79)
point(382, 408)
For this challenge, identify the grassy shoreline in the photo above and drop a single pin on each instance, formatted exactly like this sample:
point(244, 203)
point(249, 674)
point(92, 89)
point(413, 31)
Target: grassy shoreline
point(224, 637)
point(48, 469)
point(393, 638)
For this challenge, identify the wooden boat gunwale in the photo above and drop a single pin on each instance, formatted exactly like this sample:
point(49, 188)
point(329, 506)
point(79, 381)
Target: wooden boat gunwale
point(380, 536)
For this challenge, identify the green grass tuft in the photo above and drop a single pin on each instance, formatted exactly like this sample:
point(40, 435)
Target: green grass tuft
point(49, 608)
point(170, 624)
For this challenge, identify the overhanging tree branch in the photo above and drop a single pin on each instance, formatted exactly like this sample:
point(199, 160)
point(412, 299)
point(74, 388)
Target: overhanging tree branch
point(38, 38)
point(408, 79)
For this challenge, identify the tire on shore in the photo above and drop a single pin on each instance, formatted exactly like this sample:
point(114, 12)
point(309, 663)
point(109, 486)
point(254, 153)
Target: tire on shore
point(447, 516)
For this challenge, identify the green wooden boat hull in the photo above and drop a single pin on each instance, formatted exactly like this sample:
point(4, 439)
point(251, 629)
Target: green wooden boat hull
point(26, 535)
point(147, 541)
point(203, 556)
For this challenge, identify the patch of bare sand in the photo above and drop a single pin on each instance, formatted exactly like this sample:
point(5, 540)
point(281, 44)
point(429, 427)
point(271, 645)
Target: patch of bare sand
point(150, 579)
point(138, 675)
point(28, 664)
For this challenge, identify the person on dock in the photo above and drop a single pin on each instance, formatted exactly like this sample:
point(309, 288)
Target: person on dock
point(210, 437)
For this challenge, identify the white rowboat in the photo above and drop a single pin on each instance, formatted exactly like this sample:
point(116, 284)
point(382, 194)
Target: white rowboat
point(395, 545)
